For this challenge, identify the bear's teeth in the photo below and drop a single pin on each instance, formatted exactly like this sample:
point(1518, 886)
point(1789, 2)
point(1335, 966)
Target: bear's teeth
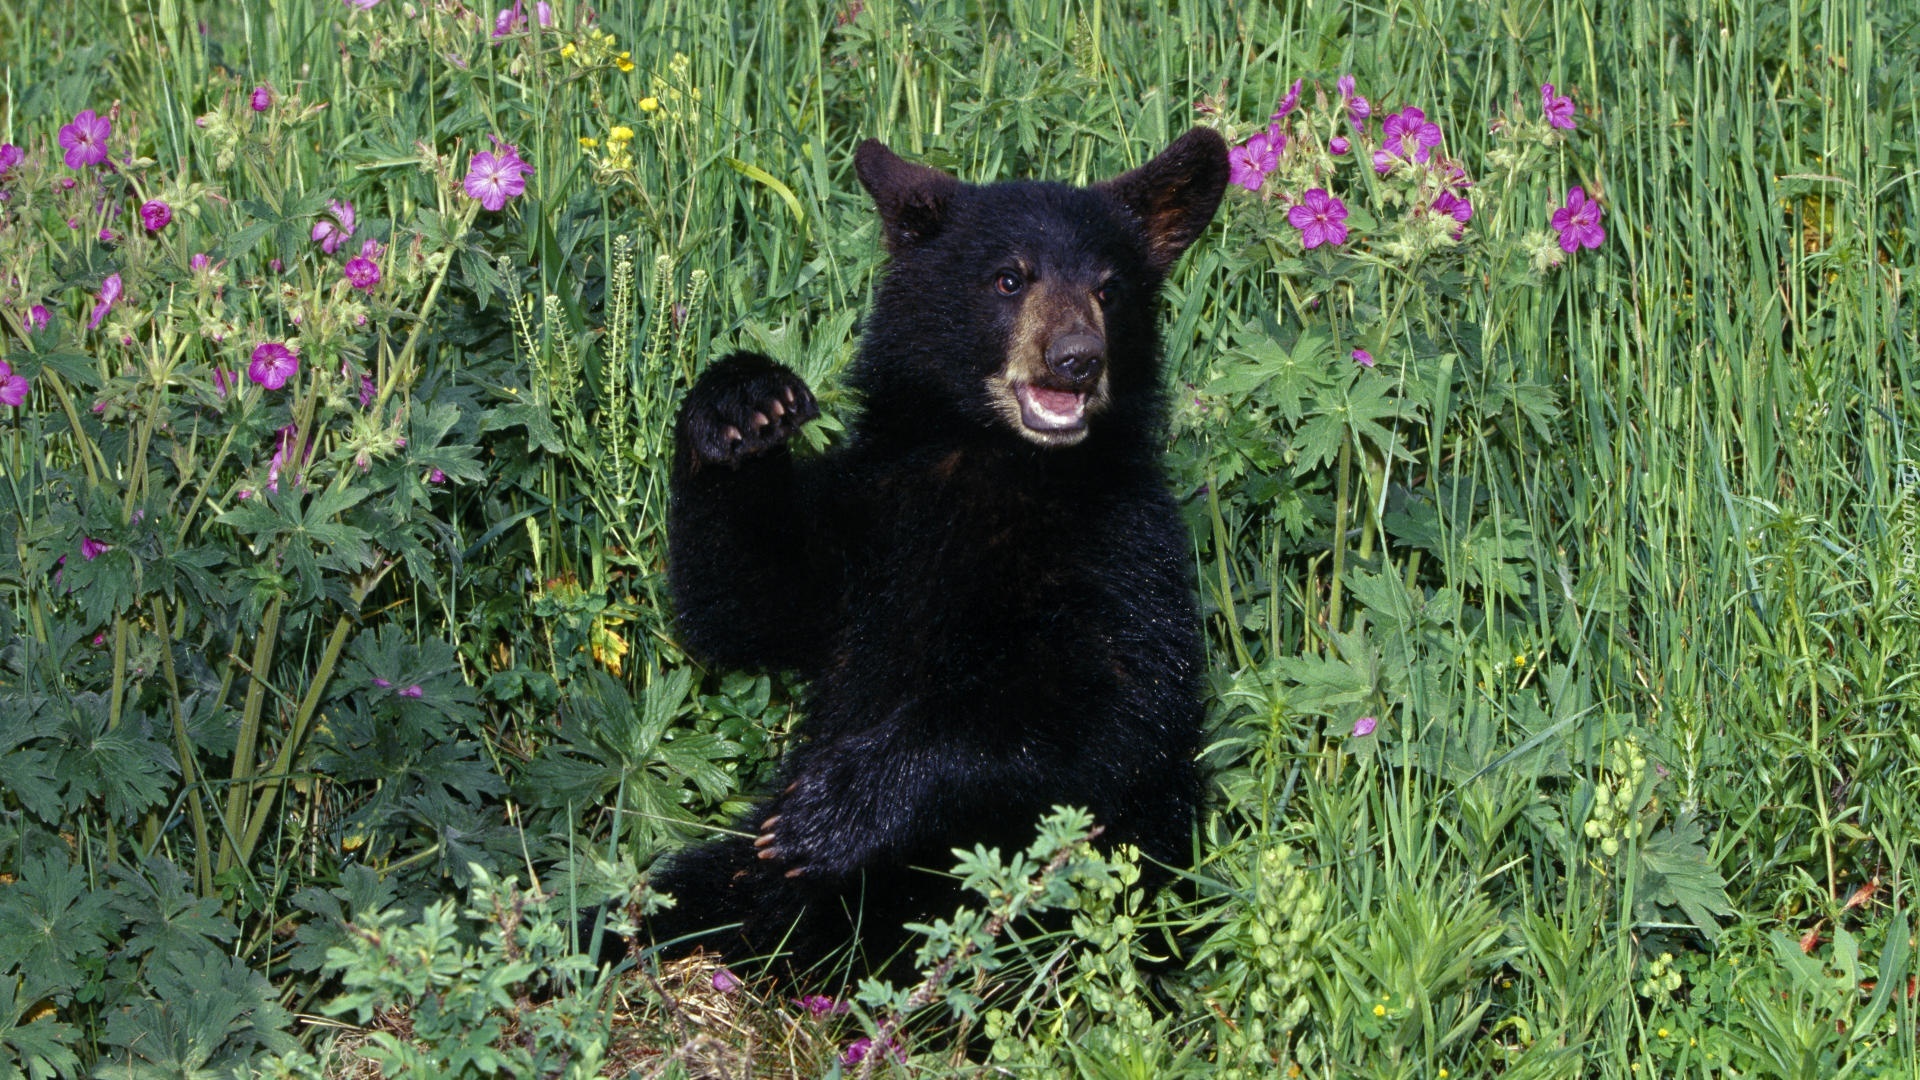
point(1051, 410)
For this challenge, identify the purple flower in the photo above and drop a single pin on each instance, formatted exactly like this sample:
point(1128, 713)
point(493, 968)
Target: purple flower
point(1318, 216)
point(1345, 85)
point(1363, 358)
point(10, 155)
point(223, 382)
point(108, 236)
point(330, 233)
point(1455, 207)
point(86, 139)
point(1249, 163)
point(507, 21)
point(361, 273)
point(261, 99)
point(155, 214)
point(1288, 103)
point(858, 1049)
point(1363, 727)
point(723, 980)
point(109, 292)
point(381, 683)
point(1338, 145)
point(435, 476)
point(363, 5)
point(1357, 111)
point(1578, 222)
point(37, 318)
point(367, 390)
point(494, 177)
point(1410, 123)
point(1558, 107)
point(819, 1005)
point(91, 549)
point(273, 364)
point(13, 388)
point(413, 691)
point(543, 12)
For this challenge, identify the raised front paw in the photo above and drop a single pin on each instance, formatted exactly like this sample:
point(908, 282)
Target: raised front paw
point(741, 407)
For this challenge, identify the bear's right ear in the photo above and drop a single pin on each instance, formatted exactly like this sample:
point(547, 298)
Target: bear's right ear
point(912, 199)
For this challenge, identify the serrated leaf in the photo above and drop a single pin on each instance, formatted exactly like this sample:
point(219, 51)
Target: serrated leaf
point(50, 918)
point(1678, 871)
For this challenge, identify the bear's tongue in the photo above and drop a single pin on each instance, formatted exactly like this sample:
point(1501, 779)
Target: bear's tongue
point(1051, 410)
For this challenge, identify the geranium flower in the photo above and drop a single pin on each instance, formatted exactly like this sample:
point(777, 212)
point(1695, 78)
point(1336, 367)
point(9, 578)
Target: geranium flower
point(1249, 163)
point(1288, 103)
point(1363, 727)
point(1363, 358)
point(109, 293)
point(91, 549)
point(1578, 222)
point(1455, 207)
point(1410, 123)
point(86, 139)
point(1338, 145)
point(858, 1049)
point(1558, 107)
point(506, 22)
point(362, 273)
point(363, 5)
point(10, 155)
point(331, 232)
point(261, 99)
point(13, 388)
point(1319, 218)
point(819, 1005)
point(37, 318)
point(273, 364)
point(155, 214)
point(496, 176)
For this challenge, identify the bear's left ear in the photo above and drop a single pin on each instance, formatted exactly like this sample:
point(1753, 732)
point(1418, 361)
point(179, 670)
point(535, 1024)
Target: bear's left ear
point(1175, 194)
point(912, 199)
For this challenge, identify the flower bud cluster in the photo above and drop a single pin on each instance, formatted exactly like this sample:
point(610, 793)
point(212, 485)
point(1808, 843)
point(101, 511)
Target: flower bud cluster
point(1616, 797)
point(1272, 941)
point(1662, 980)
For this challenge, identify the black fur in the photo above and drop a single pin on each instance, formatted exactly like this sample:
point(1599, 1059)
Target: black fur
point(987, 627)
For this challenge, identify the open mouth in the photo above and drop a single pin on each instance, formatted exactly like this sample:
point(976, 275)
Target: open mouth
point(1050, 411)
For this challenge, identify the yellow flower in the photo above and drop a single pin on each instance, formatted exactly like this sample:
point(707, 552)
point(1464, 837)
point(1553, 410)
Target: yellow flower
point(1444, 1074)
point(649, 104)
point(1379, 1010)
point(588, 142)
point(624, 62)
point(620, 133)
point(567, 50)
point(1663, 1033)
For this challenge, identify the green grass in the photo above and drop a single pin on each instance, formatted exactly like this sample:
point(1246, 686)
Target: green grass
point(1630, 542)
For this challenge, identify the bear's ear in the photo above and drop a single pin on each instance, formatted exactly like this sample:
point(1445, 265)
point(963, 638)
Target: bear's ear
point(1175, 194)
point(912, 199)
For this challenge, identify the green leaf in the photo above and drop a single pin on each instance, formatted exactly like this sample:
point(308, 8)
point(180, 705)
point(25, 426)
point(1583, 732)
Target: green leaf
point(49, 919)
point(1677, 871)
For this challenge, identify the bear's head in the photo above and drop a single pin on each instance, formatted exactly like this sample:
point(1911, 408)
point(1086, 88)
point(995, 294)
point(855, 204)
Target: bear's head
point(1027, 308)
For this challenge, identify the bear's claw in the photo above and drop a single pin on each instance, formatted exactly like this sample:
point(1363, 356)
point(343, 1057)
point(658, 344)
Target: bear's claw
point(742, 407)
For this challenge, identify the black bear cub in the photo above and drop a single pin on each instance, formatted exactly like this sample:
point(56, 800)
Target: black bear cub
point(986, 587)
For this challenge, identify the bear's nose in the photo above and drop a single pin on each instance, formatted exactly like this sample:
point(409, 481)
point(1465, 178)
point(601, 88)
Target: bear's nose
point(1077, 357)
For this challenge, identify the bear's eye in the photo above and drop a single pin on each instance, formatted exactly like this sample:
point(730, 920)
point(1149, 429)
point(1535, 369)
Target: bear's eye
point(1105, 293)
point(1009, 283)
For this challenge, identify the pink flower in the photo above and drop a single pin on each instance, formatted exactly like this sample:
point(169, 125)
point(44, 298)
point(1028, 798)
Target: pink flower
point(367, 391)
point(381, 683)
point(1558, 107)
point(1455, 207)
point(1410, 123)
point(858, 1049)
point(330, 234)
point(37, 318)
point(435, 476)
point(261, 99)
point(1363, 358)
point(1338, 145)
point(109, 292)
point(10, 155)
point(91, 549)
point(723, 980)
point(543, 12)
point(1363, 727)
point(412, 691)
point(223, 381)
point(361, 273)
point(273, 364)
point(86, 139)
point(819, 1005)
point(1578, 222)
point(13, 388)
point(508, 20)
point(1249, 163)
point(495, 177)
point(108, 236)
point(363, 5)
point(1319, 217)
point(155, 214)
point(1288, 103)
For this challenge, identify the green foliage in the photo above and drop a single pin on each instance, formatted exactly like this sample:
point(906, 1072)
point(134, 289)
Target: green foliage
point(1564, 649)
